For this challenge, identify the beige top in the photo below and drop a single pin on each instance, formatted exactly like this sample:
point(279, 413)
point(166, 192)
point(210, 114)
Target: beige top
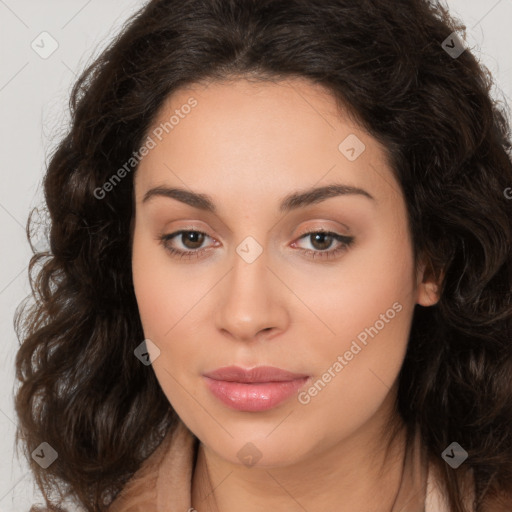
point(163, 483)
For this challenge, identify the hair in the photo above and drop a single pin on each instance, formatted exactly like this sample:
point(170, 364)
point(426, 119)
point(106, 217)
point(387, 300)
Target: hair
point(80, 387)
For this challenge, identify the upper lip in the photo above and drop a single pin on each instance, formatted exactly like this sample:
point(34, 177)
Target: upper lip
point(258, 374)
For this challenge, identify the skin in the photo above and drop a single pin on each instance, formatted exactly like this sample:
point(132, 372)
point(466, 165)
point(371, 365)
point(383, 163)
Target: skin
point(248, 145)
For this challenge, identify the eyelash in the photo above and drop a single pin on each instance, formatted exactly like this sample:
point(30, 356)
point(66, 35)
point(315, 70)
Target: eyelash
point(346, 242)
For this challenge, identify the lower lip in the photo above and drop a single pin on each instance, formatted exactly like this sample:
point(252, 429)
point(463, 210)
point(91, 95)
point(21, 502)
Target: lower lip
point(253, 397)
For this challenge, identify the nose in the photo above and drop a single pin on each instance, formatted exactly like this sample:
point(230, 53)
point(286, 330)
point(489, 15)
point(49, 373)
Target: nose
point(252, 301)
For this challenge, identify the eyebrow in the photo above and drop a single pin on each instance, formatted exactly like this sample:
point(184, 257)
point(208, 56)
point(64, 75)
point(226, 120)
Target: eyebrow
point(292, 201)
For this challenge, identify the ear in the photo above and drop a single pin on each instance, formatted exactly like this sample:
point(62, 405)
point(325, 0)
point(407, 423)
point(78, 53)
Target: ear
point(428, 285)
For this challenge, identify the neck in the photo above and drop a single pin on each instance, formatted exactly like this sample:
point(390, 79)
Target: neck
point(363, 472)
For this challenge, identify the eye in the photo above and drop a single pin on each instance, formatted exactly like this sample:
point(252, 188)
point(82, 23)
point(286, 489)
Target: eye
point(319, 240)
point(192, 240)
point(193, 237)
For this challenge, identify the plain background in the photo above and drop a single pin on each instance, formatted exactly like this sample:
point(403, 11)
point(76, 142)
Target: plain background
point(34, 93)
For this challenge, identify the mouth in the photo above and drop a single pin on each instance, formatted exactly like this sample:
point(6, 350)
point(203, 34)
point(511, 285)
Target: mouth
point(257, 389)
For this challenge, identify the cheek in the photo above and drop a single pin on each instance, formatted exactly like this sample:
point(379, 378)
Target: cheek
point(159, 288)
point(368, 307)
point(147, 287)
point(155, 288)
point(365, 285)
point(356, 367)
point(168, 299)
point(163, 311)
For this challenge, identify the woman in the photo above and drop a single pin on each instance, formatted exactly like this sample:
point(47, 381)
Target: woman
point(280, 268)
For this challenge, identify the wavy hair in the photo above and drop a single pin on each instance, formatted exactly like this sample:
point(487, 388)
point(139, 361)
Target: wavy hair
point(80, 387)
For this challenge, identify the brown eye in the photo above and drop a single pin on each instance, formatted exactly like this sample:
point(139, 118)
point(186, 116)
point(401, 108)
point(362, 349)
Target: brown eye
point(322, 241)
point(191, 240)
point(194, 238)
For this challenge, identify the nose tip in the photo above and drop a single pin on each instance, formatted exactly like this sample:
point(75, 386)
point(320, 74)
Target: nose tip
point(249, 299)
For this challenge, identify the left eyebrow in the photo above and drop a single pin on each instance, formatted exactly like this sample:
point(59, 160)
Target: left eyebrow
point(290, 202)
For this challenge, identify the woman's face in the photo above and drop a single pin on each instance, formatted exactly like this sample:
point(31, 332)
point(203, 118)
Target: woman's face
point(256, 289)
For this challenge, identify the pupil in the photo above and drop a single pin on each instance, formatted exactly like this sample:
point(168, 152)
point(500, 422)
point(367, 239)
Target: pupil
point(321, 235)
point(191, 236)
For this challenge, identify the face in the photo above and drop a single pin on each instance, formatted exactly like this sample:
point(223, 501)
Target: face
point(252, 282)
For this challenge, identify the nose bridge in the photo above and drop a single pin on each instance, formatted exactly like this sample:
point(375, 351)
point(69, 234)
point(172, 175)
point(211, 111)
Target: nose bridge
point(248, 302)
point(250, 268)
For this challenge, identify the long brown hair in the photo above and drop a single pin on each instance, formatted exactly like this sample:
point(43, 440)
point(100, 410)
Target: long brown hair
point(82, 390)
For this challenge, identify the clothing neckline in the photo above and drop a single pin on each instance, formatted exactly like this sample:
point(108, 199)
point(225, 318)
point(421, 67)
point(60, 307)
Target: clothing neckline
point(164, 480)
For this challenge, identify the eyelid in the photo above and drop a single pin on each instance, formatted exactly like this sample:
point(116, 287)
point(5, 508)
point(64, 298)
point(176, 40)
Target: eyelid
point(305, 231)
point(321, 227)
point(344, 244)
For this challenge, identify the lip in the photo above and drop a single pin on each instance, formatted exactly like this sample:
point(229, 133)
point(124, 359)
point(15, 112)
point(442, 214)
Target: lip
point(257, 374)
point(255, 389)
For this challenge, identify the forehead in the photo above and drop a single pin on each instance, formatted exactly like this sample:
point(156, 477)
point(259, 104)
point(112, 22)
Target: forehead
point(254, 138)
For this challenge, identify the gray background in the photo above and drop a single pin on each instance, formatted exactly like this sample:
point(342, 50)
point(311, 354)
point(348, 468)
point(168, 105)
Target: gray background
point(34, 94)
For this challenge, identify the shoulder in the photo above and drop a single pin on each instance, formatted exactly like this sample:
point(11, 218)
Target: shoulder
point(140, 492)
point(437, 496)
point(437, 501)
point(163, 482)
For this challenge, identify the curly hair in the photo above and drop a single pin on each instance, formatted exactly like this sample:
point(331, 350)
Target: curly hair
point(80, 387)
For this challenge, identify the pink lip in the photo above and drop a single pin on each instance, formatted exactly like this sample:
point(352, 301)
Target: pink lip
point(258, 389)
